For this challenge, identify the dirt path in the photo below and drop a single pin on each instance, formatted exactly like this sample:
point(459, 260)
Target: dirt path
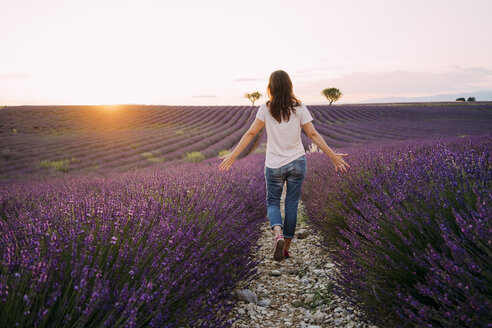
point(295, 292)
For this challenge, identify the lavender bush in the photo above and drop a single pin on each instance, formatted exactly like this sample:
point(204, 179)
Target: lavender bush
point(154, 248)
point(410, 229)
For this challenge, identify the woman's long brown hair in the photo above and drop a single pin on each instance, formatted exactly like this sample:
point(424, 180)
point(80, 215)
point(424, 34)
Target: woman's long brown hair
point(283, 100)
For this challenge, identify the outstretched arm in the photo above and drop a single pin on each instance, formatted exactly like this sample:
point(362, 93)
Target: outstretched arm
point(321, 143)
point(227, 160)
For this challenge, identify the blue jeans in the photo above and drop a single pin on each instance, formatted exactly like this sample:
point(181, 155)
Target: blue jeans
point(293, 173)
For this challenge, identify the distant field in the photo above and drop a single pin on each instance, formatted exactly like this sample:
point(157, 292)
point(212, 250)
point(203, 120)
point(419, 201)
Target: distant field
point(45, 140)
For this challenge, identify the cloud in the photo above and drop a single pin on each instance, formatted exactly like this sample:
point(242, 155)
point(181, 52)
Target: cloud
point(12, 76)
point(246, 79)
point(366, 85)
point(204, 96)
point(413, 82)
point(485, 95)
point(304, 71)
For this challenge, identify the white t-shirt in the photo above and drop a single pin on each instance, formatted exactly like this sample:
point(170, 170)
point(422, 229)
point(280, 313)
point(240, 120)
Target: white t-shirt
point(283, 139)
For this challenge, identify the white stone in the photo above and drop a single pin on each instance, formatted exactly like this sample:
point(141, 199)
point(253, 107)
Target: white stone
point(247, 296)
point(302, 233)
point(351, 324)
point(309, 298)
point(319, 317)
point(264, 303)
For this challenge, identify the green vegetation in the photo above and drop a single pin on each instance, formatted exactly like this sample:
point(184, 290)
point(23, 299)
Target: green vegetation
point(322, 295)
point(261, 149)
point(151, 156)
point(180, 132)
point(147, 154)
point(332, 94)
point(194, 157)
point(156, 159)
point(301, 214)
point(254, 96)
point(463, 99)
point(61, 165)
point(224, 152)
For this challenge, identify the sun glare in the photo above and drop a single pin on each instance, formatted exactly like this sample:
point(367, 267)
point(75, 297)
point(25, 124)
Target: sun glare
point(111, 107)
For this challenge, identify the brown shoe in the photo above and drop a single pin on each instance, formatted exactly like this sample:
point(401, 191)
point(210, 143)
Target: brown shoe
point(278, 248)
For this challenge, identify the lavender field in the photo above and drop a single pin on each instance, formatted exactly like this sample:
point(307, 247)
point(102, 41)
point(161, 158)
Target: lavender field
point(47, 140)
point(103, 223)
point(410, 229)
point(157, 248)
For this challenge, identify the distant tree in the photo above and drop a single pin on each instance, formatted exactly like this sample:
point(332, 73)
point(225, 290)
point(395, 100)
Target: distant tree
point(332, 94)
point(254, 96)
point(461, 99)
point(471, 99)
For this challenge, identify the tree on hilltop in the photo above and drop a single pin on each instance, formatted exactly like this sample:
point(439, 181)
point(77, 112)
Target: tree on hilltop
point(460, 99)
point(332, 94)
point(471, 99)
point(254, 96)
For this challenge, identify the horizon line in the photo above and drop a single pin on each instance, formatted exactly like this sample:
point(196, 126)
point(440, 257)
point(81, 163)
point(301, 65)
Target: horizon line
point(307, 104)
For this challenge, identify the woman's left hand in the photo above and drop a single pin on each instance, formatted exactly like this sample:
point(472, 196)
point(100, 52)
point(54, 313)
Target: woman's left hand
point(339, 163)
point(227, 161)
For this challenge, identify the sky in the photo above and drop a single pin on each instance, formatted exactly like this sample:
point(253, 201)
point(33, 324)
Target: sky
point(212, 52)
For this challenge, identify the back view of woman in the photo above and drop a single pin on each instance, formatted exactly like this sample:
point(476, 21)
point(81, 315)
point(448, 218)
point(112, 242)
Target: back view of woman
point(285, 161)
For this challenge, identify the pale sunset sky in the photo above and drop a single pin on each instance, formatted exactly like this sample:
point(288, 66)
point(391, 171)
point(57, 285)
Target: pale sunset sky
point(212, 52)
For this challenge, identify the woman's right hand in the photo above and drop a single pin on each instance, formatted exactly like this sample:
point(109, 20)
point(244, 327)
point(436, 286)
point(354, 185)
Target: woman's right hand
point(339, 163)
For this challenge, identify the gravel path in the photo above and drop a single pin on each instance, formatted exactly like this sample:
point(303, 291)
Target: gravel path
point(295, 292)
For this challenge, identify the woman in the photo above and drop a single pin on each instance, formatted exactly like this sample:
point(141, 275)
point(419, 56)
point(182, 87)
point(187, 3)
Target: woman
point(285, 161)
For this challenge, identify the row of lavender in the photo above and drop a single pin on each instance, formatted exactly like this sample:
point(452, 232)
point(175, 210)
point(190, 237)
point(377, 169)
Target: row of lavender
point(84, 139)
point(157, 248)
point(410, 229)
point(102, 139)
point(349, 125)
